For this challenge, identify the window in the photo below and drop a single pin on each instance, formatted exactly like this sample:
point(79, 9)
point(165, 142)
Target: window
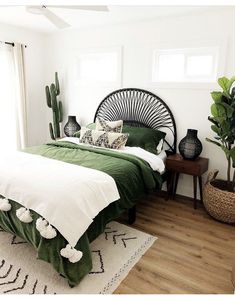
point(185, 65)
point(99, 67)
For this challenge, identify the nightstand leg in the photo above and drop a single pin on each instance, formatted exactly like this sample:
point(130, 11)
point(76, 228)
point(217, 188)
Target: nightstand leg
point(170, 186)
point(175, 184)
point(168, 183)
point(195, 191)
point(200, 187)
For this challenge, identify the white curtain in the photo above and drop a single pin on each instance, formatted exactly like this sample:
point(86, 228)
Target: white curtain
point(7, 105)
point(13, 117)
point(20, 96)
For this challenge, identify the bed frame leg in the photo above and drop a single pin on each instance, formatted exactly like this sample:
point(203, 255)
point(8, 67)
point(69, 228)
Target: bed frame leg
point(131, 215)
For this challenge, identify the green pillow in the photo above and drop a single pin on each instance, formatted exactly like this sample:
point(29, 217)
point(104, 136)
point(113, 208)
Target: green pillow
point(145, 138)
point(90, 126)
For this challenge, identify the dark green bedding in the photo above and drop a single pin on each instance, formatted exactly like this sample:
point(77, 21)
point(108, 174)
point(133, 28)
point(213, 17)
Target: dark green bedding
point(133, 177)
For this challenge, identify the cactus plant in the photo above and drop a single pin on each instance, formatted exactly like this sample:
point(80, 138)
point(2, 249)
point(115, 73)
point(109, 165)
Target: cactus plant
point(57, 110)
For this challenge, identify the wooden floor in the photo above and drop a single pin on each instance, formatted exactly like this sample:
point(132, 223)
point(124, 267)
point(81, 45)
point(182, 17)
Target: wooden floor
point(193, 252)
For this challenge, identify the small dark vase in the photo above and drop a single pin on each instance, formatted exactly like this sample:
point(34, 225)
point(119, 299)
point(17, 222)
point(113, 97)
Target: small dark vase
point(71, 126)
point(190, 147)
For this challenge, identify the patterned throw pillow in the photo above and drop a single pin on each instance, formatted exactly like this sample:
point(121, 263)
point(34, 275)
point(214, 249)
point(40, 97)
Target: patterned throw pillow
point(109, 126)
point(111, 140)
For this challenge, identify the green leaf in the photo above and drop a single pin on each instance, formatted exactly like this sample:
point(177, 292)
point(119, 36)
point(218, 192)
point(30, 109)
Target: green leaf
point(225, 126)
point(220, 119)
point(229, 110)
point(215, 129)
point(224, 83)
point(232, 154)
point(212, 120)
point(213, 142)
point(233, 92)
point(218, 110)
point(230, 83)
point(217, 96)
point(222, 110)
point(214, 110)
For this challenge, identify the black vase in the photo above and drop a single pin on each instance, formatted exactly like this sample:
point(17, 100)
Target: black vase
point(190, 147)
point(71, 126)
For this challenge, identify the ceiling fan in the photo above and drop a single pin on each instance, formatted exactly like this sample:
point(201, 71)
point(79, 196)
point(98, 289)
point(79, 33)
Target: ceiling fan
point(56, 20)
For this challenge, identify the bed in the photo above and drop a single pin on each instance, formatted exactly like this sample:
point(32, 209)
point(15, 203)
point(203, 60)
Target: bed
point(133, 176)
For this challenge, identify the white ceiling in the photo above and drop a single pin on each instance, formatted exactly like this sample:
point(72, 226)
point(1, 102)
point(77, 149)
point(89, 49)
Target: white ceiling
point(17, 15)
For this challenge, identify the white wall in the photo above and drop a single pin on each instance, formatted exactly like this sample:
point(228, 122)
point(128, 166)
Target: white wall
point(189, 106)
point(34, 64)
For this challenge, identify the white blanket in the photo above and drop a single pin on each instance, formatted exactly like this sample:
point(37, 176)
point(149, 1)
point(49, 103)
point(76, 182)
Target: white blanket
point(66, 195)
point(156, 162)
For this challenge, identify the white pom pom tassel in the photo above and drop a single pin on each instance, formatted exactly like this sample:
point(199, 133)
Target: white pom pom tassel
point(48, 232)
point(41, 224)
point(72, 254)
point(5, 204)
point(45, 229)
point(23, 214)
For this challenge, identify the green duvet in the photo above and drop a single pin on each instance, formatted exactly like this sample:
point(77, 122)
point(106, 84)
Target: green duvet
point(133, 178)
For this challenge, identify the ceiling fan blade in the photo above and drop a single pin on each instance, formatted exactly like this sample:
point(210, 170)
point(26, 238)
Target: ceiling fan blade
point(57, 21)
point(82, 7)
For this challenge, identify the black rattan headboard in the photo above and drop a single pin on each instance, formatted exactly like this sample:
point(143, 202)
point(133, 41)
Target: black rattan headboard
point(139, 108)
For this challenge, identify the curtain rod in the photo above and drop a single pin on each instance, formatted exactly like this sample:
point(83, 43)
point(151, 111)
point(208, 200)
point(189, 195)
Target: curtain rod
point(11, 44)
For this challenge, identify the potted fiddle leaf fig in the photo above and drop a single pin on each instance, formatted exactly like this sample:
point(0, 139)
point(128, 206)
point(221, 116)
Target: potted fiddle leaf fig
point(219, 195)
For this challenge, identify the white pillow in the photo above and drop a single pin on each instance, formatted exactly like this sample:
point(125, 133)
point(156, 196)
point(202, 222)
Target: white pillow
point(104, 139)
point(160, 146)
point(109, 126)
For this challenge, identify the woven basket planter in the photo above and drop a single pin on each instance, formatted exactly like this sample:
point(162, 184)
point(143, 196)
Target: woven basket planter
point(220, 204)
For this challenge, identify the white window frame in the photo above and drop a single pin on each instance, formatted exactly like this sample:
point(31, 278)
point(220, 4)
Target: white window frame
point(96, 83)
point(191, 47)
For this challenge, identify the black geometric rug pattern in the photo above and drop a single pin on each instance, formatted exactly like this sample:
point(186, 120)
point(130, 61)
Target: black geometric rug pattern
point(16, 241)
point(100, 268)
point(19, 280)
point(15, 279)
point(117, 238)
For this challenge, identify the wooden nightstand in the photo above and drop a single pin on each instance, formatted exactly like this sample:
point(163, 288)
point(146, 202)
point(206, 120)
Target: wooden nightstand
point(175, 164)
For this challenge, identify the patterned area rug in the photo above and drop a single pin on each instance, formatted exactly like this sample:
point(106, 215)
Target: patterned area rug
point(114, 253)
